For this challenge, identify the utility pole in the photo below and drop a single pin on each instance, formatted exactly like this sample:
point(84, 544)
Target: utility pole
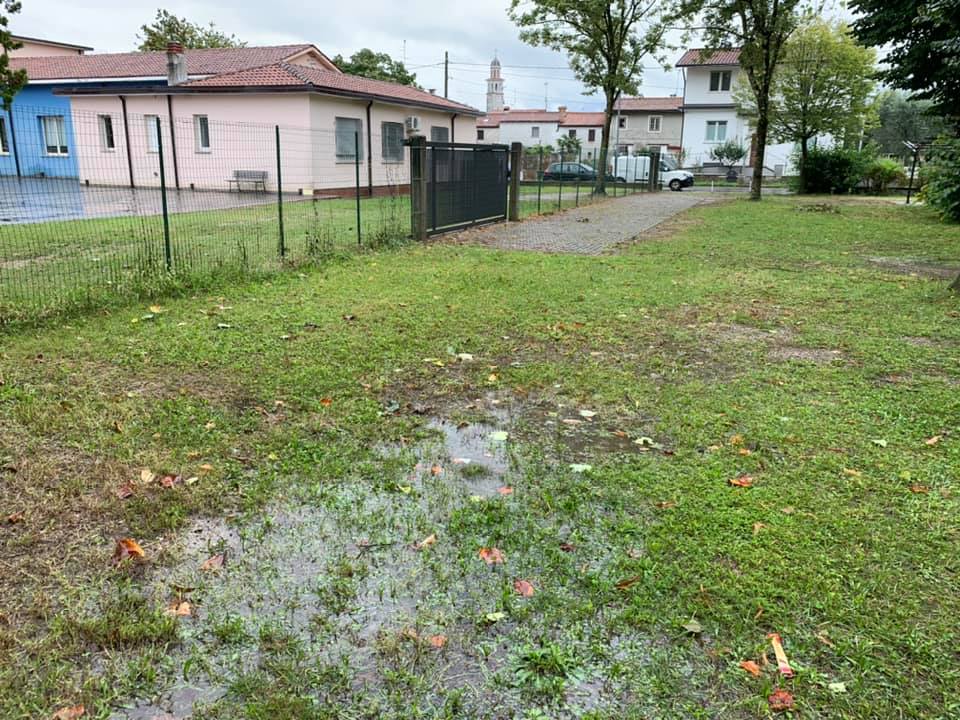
point(446, 73)
point(546, 96)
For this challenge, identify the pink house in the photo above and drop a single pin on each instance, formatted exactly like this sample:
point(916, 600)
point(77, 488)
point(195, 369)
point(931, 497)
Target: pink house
point(218, 111)
point(33, 47)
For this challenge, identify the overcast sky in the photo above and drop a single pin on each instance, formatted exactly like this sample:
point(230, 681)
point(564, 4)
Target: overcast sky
point(420, 30)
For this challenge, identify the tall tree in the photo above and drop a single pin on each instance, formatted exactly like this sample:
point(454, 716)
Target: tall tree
point(902, 119)
point(760, 29)
point(167, 27)
point(923, 37)
point(376, 66)
point(606, 42)
point(821, 87)
point(11, 81)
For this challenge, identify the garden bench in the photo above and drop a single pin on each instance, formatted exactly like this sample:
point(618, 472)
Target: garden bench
point(257, 178)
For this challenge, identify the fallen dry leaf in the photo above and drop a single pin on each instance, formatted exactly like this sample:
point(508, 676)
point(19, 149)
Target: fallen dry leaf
point(523, 587)
point(69, 713)
point(127, 548)
point(780, 700)
point(629, 582)
point(436, 470)
point(438, 641)
point(919, 489)
point(852, 473)
point(757, 527)
point(146, 476)
point(213, 563)
point(736, 440)
point(15, 518)
point(179, 608)
point(745, 451)
point(666, 504)
point(743, 481)
point(125, 491)
point(505, 490)
point(751, 667)
point(491, 555)
point(933, 440)
point(326, 402)
point(426, 542)
point(168, 481)
point(567, 547)
point(206, 467)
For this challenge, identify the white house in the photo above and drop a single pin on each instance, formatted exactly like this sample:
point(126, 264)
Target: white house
point(710, 115)
point(542, 127)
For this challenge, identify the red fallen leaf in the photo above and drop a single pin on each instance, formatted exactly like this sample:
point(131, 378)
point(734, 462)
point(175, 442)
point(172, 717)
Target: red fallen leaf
point(666, 504)
point(780, 700)
point(15, 518)
point(213, 563)
point(127, 548)
point(168, 481)
point(919, 489)
point(491, 555)
point(436, 470)
point(438, 641)
point(743, 481)
point(505, 490)
point(751, 667)
point(326, 402)
point(69, 713)
point(628, 582)
point(567, 547)
point(179, 608)
point(523, 587)
point(125, 491)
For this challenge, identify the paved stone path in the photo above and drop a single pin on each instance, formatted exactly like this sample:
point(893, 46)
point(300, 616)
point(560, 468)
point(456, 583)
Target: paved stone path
point(588, 230)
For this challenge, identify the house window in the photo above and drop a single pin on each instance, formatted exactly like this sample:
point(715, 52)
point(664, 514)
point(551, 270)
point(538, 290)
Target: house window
point(201, 131)
point(572, 134)
point(54, 134)
point(716, 130)
point(535, 132)
point(439, 134)
point(349, 148)
point(591, 135)
point(479, 134)
point(653, 124)
point(720, 80)
point(107, 142)
point(150, 123)
point(391, 140)
point(622, 122)
point(4, 145)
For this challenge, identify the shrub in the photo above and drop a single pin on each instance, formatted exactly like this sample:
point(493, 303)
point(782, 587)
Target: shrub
point(942, 188)
point(882, 172)
point(834, 171)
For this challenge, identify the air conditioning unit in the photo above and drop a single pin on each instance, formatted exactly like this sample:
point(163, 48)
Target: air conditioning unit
point(413, 124)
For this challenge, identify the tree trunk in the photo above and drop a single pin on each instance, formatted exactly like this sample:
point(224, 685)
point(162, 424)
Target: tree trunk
point(804, 152)
point(763, 124)
point(600, 186)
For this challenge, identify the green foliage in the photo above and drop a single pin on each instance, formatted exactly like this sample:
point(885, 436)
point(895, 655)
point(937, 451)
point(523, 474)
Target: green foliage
point(901, 118)
point(11, 81)
point(923, 41)
point(569, 145)
point(376, 66)
point(605, 42)
point(167, 27)
point(883, 172)
point(729, 153)
point(834, 171)
point(942, 189)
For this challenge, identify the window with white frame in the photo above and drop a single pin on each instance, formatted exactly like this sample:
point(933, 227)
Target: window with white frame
point(349, 142)
point(720, 81)
point(654, 123)
point(716, 130)
point(622, 122)
point(535, 131)
point(439, 133)
point(107, 140)
point(150, 123)
point(54, 134)
point(4, 144)
point(201, 133)
point(391, 140)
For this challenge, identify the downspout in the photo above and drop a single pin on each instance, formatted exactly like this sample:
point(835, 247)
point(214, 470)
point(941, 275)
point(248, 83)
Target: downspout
point(126, 135)
point(173, 142)
point(453, 133)
point(369, 152)
point(683, 118)
point(13, 140)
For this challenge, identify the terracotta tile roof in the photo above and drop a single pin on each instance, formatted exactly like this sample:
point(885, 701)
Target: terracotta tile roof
point(290, 77)
point(701, 56)
point(151, 64)
point(582, 119)
point(649, 104)
point(495, 119)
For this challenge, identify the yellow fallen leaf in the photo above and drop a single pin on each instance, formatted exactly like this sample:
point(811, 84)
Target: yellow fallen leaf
point(933, 440)
point(146, 476)
point(426, 542)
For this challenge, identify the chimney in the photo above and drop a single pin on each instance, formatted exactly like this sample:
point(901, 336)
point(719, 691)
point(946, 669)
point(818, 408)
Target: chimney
point(176, 64)
point(432, 91)
point(562, 109)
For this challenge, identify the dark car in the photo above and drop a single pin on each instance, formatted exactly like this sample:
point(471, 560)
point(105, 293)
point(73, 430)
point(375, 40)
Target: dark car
point(569, 171)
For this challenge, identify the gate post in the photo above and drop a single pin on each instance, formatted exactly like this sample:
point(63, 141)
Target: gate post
point(516, 162)
point(654, 170)
point(418, 187)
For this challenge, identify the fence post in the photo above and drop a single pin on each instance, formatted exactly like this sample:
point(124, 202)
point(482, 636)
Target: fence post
point(516, 160)
point(283, 245)
point(654, 170)
point(356, 166)
point(560, 185)
point(579, 163)
point(418, 187)
point(539, 178)
point(167, 253)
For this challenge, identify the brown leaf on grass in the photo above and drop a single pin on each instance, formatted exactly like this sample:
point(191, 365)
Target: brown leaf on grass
point(491, 555)
point(757, 527)
point(745, 451)
point(438, 641)
point(125, 491)
point(117, 426)
point(212, 563)
point(743, 481)
point(326, 402)
point(751, 667)
point(436, 470)
point(780, 700)
point(505, 490)
point(127, 548)
point(736, 440)
point(629, 582)
point(919, 489)
point(822, 637)
point(14, 518)
point(850, 472)
point(567, 547)
point(168, 481)
point(425, 543)
point(69, 713)
point(179, 608)
point(206, 467)
point(523, 588)
point(666, 504)
point(620, 434)
point(933, 440)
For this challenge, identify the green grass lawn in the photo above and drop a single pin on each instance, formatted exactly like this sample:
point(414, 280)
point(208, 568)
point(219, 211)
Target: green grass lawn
point(313, 423)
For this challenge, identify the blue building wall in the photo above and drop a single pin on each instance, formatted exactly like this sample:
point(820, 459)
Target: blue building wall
point(28, 106)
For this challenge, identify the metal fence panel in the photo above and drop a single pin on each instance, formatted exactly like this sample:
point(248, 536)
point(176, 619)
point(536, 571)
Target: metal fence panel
point(466, 185)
